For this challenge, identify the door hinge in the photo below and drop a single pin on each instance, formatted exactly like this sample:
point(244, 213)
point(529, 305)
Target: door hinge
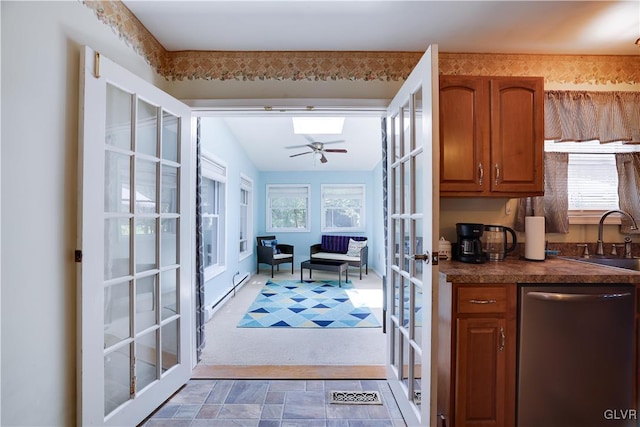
point(78, 255)
point(96, 65)
point(132, 390)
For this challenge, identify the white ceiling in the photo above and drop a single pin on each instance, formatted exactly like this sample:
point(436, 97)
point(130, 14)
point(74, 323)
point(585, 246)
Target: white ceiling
point(536, 27)
point(554, 27)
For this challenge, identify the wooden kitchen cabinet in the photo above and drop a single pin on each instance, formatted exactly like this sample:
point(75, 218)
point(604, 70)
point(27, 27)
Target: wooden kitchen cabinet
point(491, 136)
point(477, 355)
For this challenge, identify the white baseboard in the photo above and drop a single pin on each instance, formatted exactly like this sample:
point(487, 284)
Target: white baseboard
point(210, 310)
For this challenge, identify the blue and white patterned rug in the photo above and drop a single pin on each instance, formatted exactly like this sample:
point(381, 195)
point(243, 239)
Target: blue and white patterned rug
point(308, 304)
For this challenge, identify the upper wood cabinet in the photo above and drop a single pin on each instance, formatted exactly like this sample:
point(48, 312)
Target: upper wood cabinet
point(491, 136)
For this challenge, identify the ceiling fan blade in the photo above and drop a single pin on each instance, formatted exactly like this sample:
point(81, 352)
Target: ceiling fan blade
point(300, 154)
point(297, 146)
point(335, 150)
point(331, 142)
point(323, 159)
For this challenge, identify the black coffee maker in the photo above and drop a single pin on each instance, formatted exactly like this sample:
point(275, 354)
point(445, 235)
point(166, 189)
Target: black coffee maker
point(469, 247)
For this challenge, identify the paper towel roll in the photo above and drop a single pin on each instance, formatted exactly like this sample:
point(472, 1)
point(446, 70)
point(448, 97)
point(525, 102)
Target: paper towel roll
point(534, 238)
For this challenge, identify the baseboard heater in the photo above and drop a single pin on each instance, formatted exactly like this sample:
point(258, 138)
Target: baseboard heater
point(243, 278)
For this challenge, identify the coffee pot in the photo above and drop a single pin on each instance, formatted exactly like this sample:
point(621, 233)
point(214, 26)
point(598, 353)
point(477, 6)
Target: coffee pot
point(495, 244)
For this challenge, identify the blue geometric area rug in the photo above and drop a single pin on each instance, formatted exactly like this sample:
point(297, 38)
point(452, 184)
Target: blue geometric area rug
point(308, 304)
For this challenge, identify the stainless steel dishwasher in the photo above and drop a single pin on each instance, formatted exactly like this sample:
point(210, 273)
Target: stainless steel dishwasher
point(576, 356)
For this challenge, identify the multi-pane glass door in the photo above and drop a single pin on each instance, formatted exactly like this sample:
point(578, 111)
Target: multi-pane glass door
point(412, 200)
point(135, 281)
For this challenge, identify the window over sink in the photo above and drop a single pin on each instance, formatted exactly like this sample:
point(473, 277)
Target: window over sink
point(592, 177)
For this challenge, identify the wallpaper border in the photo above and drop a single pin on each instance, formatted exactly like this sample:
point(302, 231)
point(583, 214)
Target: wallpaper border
point(365, 66)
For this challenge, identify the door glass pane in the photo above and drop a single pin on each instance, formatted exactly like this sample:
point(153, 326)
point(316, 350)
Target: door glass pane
point(116, 313)
point(169, 137)
point(118, 120)
point(117, 185)
point(169, 345)
point(145, 244)
point(169, 293)
point(145, 302)
point(418, 167)
point(395, 309)
point(406, 361)
point(169, 242)
point(146, 359)
point(147, 129)
point(417, 314)
point(419, 248)
point(145, 186)
point(417, 122)
point(407, 123)
point(397, 240)
point(117, 378)
point(116, 247)
point(397, 148)
point(407, 194)
point(169, 190)
point(417, 380)
point(397, 194)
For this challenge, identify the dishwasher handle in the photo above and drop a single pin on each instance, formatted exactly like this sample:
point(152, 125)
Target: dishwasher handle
point(553, 296)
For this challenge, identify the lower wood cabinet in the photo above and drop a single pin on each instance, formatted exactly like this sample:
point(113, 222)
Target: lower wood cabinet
point(477, 376)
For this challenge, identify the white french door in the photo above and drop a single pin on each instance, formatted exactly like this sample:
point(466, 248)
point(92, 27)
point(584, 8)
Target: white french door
point(413, 205)
point(136, 206)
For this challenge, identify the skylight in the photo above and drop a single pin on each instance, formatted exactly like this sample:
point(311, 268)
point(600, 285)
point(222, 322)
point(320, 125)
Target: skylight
point(317, 125)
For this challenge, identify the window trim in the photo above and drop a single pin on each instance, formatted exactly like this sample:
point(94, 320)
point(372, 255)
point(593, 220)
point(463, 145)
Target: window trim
point(323, 225)
point(246, 183)
point(268, 225)
point(215, 170)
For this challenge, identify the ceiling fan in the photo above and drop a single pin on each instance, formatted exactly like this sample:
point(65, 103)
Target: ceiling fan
point(317, 148)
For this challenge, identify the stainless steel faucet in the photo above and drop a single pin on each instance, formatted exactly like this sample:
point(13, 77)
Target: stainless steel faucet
point(599, 244)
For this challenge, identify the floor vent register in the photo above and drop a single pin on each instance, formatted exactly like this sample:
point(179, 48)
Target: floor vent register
point(356, 397)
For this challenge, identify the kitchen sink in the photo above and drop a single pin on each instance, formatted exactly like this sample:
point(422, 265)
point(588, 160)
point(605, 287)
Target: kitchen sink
point(627, 263)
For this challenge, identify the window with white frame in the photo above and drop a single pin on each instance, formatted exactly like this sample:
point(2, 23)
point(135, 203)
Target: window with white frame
point(214, 179)
point(246, 217)
point(592, 176)
point(343, 207)
point(288, 207)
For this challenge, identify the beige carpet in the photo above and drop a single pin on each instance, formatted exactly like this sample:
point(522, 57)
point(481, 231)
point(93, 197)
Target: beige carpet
point(229, 345)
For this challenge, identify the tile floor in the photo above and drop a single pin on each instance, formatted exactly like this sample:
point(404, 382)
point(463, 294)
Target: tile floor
point(275, 403)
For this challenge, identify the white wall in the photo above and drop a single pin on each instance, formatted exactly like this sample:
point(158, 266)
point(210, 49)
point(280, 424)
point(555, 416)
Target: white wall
point(40, 58)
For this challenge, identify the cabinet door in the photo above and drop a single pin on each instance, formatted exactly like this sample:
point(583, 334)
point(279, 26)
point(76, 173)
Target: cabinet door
point(464, 134)
point(481, 363)
point(517, 135)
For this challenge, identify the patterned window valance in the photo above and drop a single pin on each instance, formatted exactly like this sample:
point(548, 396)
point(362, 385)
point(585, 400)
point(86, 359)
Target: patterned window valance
point(586, 116)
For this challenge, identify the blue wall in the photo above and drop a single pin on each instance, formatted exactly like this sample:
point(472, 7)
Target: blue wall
point(219, 143)
point(303, 240)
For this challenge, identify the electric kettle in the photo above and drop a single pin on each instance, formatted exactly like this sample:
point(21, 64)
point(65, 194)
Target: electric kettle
point(495, 242)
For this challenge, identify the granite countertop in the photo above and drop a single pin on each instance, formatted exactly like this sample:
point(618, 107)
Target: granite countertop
point(552, 270)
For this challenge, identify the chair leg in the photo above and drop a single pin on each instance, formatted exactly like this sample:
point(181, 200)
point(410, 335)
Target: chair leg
point(272, 271)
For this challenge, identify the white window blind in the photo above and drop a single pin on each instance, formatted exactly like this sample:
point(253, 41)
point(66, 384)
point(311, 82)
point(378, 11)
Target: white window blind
point(288, 207)
point(343, 207)
point(592, 175)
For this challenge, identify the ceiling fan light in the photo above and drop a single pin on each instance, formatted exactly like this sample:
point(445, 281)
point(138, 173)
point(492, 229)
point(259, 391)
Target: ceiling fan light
point(317, 155)
point(317, 125)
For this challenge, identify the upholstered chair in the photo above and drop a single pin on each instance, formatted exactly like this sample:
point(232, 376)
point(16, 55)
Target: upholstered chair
point(273, 253)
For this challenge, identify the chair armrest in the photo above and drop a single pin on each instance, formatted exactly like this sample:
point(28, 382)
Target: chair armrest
point(314, 249)
point(364, 254)
point(284, 248)
point(265, 253)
